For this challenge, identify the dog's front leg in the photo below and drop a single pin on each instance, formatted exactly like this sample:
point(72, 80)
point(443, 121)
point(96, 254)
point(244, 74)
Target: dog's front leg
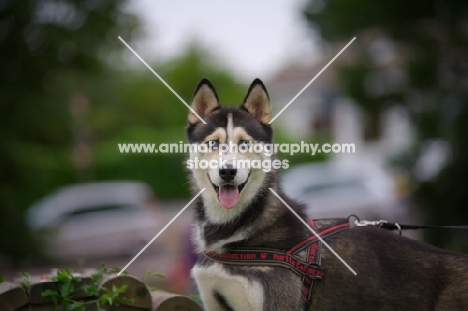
point(220, 290)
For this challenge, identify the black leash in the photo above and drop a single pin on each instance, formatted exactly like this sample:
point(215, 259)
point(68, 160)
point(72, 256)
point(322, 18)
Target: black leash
point(396, 226)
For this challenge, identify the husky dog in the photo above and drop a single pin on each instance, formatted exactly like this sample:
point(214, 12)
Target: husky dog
point(237, 210)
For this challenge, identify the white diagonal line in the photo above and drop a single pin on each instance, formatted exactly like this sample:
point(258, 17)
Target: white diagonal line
point(310, 82)
point(315, 233)
point(162, 80)
point(162, 230)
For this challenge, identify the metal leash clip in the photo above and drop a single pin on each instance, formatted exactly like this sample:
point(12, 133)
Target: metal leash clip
point(375, 223)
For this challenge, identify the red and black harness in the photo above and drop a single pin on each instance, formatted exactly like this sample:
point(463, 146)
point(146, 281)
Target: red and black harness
point(309, 270)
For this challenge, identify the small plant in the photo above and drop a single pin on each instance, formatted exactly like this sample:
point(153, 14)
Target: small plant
point(25, 283)
point(66, 280)
point(111, 297)
point(149, 274)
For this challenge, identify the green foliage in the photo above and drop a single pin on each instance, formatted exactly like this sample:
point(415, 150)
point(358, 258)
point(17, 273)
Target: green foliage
point(65, 105)
point(49, 51)
point(148, 276)
point(111, 297)
point(410, 54)
point(1, 279)
point(67, 101)
point(66, 287)
point(67, 282)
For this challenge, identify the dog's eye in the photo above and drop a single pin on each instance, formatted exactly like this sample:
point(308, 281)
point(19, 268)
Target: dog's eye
point(245, 143)
point(213, 144)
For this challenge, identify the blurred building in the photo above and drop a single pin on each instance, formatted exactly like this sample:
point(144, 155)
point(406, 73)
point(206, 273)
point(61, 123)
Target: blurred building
point(321, 111)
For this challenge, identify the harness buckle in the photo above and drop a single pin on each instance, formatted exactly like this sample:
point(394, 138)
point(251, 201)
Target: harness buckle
point(314, 271)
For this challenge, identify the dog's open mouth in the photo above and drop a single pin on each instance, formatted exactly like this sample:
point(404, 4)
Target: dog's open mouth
point(228, 195)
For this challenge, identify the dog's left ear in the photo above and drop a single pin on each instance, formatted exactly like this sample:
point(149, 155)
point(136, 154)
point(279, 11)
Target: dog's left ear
point(257, 101)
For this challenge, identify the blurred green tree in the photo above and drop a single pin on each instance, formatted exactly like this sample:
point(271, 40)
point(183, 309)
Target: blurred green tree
point(144, 110)
point(51, 54)
point(413, 54)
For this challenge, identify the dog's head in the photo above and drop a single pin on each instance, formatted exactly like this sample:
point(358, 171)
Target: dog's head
point(231, 149)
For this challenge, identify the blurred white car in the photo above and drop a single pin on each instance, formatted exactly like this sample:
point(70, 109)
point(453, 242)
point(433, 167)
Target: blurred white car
point(96, 220)
point(333, 191)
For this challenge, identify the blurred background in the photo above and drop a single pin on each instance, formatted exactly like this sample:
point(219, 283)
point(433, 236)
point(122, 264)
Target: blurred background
point(70, 91)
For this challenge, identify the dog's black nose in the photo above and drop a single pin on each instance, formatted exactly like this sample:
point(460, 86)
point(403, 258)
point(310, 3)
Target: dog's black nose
point(228, 173)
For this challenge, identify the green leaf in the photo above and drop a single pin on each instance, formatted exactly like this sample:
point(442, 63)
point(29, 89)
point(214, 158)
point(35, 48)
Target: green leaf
point(106, 291)
point(97, 277)
point(76, 279)
point(106, 299)
point(116, 270)
point(25, 283)
point(150, 273)
point(65, 289)
point(127, 300)
point(90, 289)
point(49, 293)
point(76, 306)
point(119, 290)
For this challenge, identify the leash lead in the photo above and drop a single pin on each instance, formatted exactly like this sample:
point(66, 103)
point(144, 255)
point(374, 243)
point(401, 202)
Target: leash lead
point(396, 226)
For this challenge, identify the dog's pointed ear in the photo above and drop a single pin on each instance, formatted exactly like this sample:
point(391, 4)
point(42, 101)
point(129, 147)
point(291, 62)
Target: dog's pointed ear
point(204, 101)
point(257, 101)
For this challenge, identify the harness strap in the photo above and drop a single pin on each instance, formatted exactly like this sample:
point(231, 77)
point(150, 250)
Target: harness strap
point(313, 255)
point(248, 257)
point(323, 232)
point(309, 270)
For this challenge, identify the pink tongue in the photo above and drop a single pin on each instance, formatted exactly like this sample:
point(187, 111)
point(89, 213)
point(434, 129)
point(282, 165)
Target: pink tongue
point(228, 196)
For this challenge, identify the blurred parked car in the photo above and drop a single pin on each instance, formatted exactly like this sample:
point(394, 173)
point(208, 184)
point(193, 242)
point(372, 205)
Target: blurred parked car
point(96, 220)
point(333, 191)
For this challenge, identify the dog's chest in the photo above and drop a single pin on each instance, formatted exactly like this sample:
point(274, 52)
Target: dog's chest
point(237, 291)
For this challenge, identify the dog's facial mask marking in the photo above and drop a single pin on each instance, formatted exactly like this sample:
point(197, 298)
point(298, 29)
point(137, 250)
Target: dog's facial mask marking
point(230, 127)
